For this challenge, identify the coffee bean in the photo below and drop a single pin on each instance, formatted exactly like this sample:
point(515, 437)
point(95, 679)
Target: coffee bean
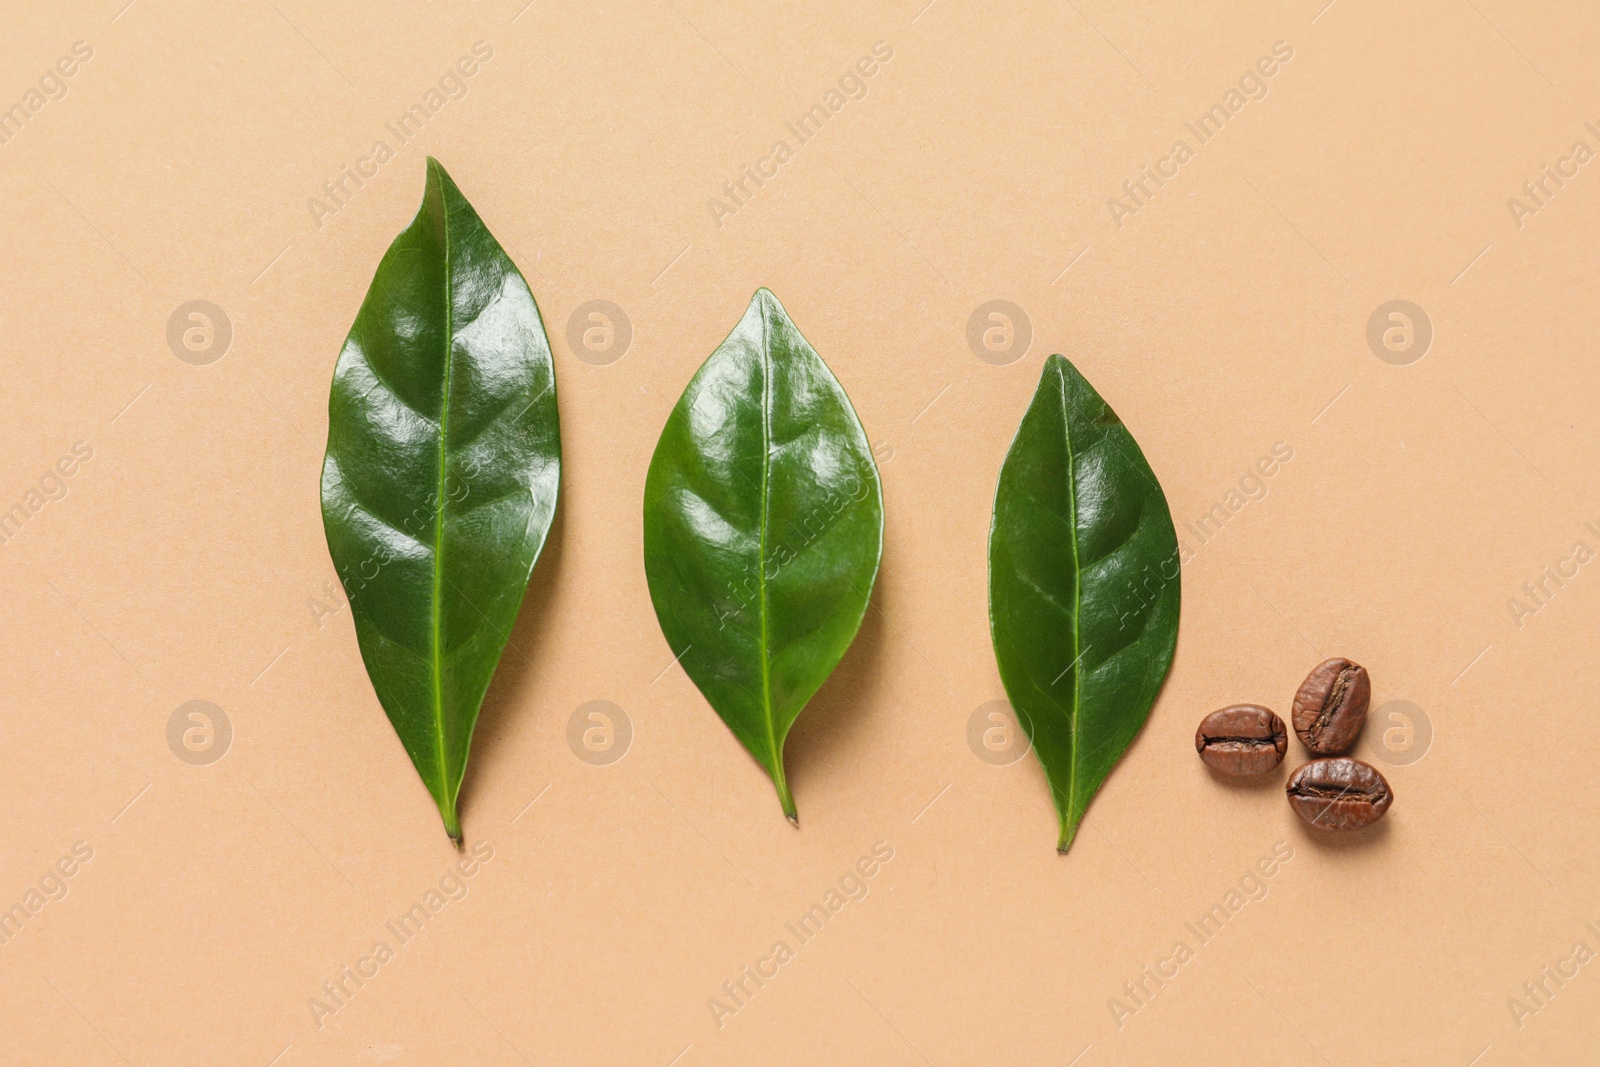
point(1339, 794)
point(1331, 706)
point(1242, 740)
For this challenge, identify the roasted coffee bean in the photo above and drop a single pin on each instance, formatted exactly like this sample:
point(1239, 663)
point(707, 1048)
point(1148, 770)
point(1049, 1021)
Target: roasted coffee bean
point(1242, 740)
point(1331, 706)
point(1339, 794)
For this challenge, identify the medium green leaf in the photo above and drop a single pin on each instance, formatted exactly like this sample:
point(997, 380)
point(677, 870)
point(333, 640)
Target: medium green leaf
point(444, 461)
point(1083, 586)
point(763, 527)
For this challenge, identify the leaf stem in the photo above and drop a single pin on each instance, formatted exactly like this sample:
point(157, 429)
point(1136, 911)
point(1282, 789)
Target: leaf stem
point(785, 798)
point(452, 823)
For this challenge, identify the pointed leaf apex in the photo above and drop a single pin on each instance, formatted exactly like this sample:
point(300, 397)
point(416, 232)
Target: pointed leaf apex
point(437, 173)
point(1062, 365)
point(452, 825)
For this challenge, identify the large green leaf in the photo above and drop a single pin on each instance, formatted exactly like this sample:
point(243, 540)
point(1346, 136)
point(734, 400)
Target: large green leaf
point(444, 460)
point(763, 527)
point(1083, 586)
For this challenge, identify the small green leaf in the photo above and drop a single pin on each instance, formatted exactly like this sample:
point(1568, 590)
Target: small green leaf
point(1083, 586)
point(763, 527)
point(443, 465)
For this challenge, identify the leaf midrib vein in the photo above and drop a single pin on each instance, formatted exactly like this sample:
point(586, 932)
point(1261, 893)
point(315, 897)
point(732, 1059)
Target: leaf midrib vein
point(761, 552)
point(1077, 596)
point(439, 498)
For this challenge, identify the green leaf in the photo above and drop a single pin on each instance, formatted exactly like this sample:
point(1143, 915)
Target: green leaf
point(444, 461)
point(763, 527)
point(1083, 586)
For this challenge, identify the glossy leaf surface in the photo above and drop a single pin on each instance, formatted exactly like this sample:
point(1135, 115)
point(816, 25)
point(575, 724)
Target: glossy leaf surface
point(443, 465)
point(1083, 586)
point(763, 527)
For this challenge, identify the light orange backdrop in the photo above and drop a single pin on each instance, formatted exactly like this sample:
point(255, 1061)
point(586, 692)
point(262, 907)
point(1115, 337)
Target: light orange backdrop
point(221, 879)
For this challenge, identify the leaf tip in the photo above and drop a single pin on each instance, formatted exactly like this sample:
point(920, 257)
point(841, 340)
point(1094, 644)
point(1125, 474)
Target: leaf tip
point(438, 175)
point(764, 297)
point(1061, 365)
point(786, 798)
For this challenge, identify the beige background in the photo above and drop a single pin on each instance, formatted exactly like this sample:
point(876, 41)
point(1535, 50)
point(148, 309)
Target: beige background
point(186, 560)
